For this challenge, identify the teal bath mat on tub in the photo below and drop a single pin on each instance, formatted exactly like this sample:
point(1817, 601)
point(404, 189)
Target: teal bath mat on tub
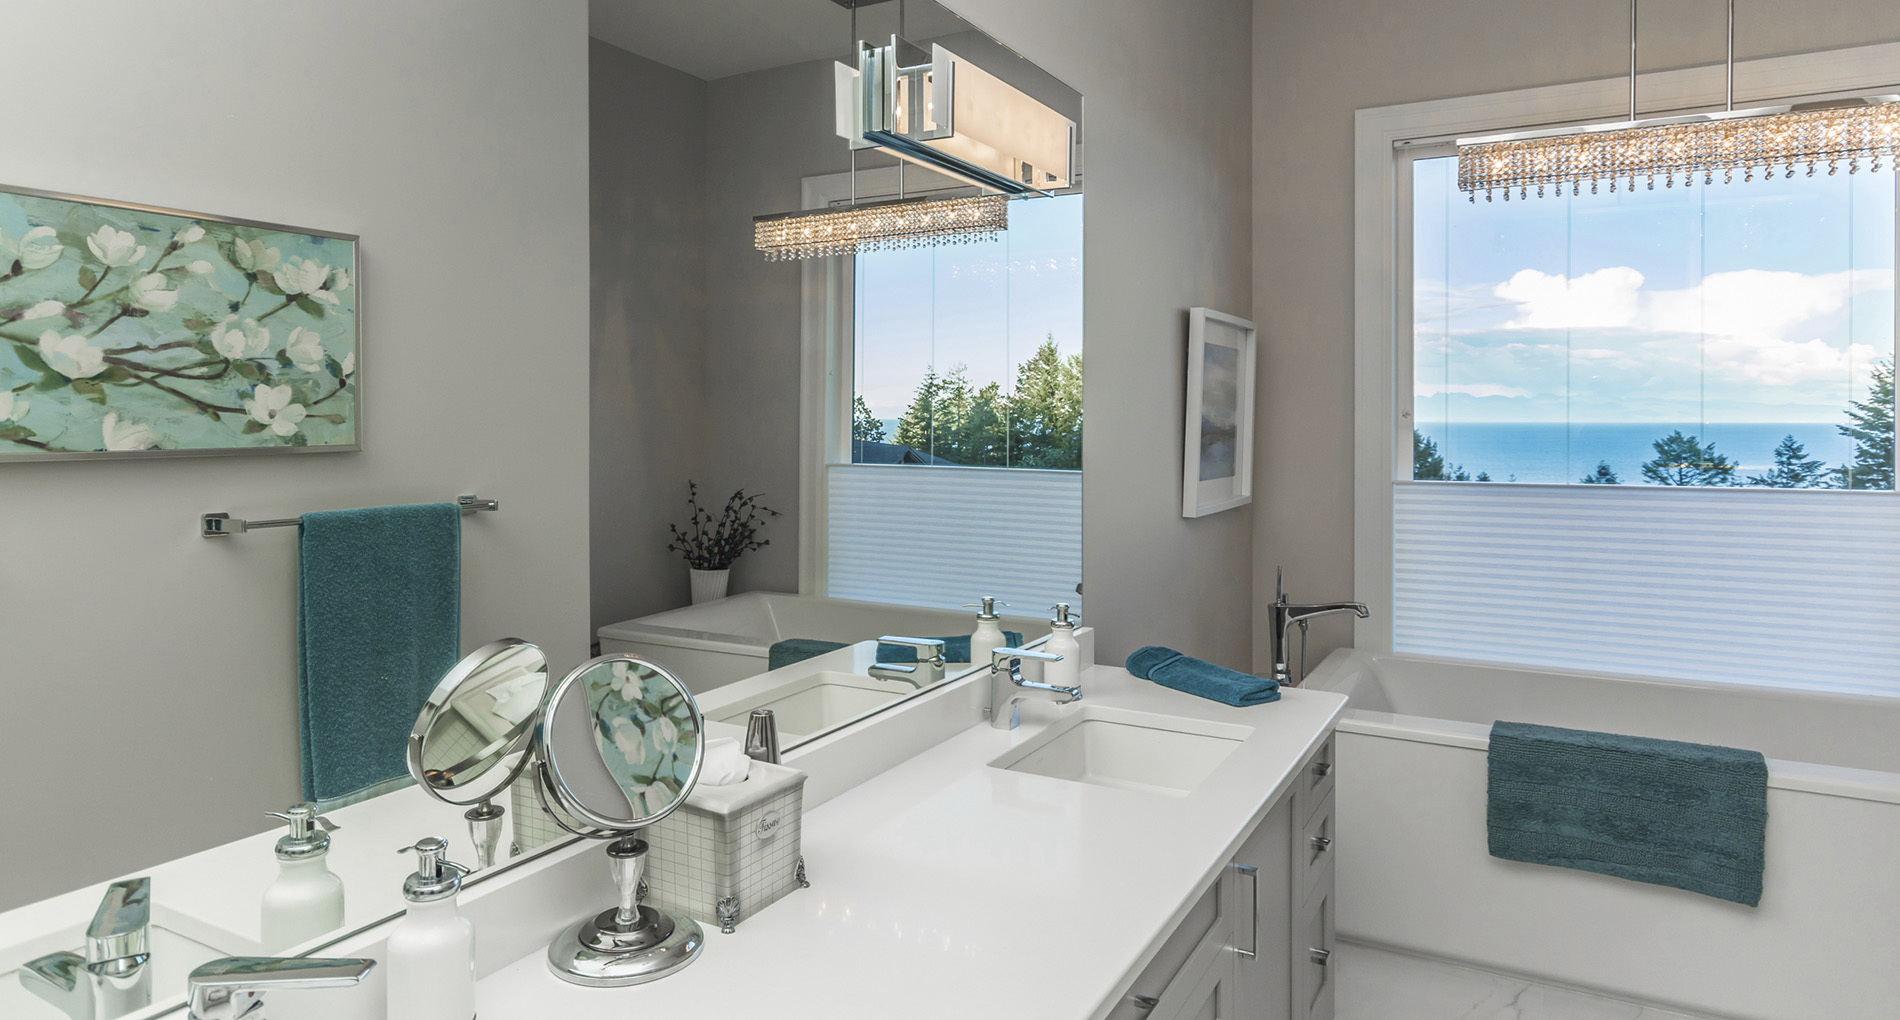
point(1689, 816)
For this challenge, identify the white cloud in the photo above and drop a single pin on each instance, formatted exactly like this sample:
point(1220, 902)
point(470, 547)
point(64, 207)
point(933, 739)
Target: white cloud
point(1759, 325)
point(1430, 389)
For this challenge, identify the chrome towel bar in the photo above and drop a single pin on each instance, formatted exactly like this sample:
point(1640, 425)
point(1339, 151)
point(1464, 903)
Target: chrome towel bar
point(224, 525)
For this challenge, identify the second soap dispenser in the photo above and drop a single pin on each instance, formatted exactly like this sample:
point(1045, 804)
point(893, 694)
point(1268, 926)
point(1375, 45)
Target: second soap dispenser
point(432, 951)
point(306, 900)
point(988, 635)
point(1068, 672)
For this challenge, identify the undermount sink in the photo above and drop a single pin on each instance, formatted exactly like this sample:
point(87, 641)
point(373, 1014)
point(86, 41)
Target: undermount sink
point(1126, 750)
point(815, 703)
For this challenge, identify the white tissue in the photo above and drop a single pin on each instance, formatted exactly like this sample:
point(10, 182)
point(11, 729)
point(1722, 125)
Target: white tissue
point(726, 763)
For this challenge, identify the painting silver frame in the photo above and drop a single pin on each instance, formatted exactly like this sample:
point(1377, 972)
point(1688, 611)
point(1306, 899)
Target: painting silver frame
point(356, 328)
point(1210, 496)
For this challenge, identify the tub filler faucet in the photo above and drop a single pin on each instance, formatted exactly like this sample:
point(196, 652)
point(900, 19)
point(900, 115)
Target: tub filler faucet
point(1282, 616)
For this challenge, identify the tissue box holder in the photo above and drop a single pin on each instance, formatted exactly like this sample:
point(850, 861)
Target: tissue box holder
point(729, 851)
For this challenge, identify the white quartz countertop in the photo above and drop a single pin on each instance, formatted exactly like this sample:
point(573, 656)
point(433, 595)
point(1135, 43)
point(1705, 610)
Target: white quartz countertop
point(946, 888)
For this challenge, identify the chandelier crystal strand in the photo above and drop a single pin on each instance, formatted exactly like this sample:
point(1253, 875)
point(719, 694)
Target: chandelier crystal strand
point(1775, 143)
point(884, 226)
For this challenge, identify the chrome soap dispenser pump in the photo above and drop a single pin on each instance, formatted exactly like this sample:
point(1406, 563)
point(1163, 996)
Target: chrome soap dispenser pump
point(306, 900)
point(988, 635)
point(432, 951)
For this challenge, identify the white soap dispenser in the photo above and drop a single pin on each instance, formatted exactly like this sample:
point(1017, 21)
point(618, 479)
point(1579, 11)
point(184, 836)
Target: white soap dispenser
point(988, 635)
point(306, 900)
point(1068, 672)
point(432, 951)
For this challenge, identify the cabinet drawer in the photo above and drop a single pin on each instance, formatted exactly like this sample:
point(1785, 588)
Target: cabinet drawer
point(1313, 857)
point(1315, 782)
point(1205, 922)
point(1312, 961)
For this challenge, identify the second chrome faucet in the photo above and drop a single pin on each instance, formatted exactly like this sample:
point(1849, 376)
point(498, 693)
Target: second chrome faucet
point(1008, 688)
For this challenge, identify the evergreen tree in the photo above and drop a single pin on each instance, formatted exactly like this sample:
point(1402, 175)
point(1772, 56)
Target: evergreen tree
point(1428, 465)
point(865, 426)
point(1603, 475)
point(1044, 414)
point(1793, 469)
point(917, 428)
point(1680, 460)
point(1871, 428)
point(1039, 425)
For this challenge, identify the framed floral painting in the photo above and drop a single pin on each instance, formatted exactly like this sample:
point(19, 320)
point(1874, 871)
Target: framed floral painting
point(130, 331)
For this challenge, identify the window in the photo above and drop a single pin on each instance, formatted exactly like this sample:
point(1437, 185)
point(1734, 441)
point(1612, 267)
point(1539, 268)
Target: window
point(964, 391)
point(1648, 432)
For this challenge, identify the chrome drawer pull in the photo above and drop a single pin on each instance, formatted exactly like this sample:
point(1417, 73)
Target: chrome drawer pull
point(1145, 1003)
point(1321, 844)
point(1319, 956)
point(1322, 769)
point(1253, 901)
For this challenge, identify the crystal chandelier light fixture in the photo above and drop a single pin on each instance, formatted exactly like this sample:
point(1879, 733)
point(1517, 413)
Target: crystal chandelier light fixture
point(881, 226)
point(1773, 141)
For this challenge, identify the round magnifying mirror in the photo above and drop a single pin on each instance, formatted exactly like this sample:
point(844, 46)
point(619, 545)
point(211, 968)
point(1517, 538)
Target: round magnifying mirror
point(476, 732)
point(619, 748)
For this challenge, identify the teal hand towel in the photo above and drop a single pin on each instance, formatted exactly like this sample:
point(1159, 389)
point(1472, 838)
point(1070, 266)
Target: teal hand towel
point(1170, 668)
point(379, 609)
point(1688, 816)
point(797, 649)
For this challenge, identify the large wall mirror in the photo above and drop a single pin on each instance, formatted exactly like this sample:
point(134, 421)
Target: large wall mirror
point(939, 454)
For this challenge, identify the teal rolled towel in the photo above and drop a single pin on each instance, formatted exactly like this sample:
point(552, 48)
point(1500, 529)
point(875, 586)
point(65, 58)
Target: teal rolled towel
point(798, 649)
point(1688, 816)
point(1170, 668)
point(379, 616)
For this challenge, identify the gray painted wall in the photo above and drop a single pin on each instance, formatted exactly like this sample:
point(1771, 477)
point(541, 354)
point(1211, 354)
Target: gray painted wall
point(148, 676)
point(1317, 61)
point(650, 302)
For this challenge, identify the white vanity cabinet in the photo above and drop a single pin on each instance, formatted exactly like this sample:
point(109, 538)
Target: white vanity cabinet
point(1257, 944)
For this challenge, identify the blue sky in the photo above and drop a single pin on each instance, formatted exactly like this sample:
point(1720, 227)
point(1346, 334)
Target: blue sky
point(988, 306)
point(1765, 301)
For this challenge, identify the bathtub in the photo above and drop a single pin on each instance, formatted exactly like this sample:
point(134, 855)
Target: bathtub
point(1413, 872)
point(716, 643)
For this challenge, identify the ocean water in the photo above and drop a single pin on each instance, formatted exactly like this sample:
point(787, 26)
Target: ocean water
point(1543, 452)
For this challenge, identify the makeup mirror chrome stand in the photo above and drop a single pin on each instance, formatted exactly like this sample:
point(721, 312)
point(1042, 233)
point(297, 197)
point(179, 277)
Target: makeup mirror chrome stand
point(475, 734)
point(618, 748)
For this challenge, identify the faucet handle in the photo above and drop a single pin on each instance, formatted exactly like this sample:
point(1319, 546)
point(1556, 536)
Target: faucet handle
point(934, 646)
point(117, 940)
point(230, 988)
point(999, 656)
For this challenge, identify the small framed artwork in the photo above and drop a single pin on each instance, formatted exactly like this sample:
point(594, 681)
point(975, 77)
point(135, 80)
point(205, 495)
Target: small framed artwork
point(128, 331)
point(1217, 446)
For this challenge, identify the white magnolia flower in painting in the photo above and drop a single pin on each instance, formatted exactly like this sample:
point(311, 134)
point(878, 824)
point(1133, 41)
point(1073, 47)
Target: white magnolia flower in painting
point(71, 356)
point(270, 405)
point(199, 267)
point(114, 247)
point(631, 740)
point(132, 436)
point(625, 681)
point(12, 406)
point(39, 248)
point(44, 310)
point(234, 340)
point(665, 733)
point(349, 364)
point(148, 292)
point(339, 281)
point(301, 276)
point(305, 350)
point(188, 235)
point(253, 257)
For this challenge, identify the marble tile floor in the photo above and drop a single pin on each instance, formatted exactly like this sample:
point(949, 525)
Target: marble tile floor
point(1378, 985)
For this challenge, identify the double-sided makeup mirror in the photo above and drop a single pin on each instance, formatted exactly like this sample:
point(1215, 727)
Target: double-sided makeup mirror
point(618, 749)
point(476, 731)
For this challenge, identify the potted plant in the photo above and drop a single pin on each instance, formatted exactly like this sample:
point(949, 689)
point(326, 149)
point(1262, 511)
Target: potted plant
point(711, 544)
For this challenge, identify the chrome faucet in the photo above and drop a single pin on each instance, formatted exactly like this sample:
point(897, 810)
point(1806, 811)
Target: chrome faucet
point(1281, 618)
point(234, 987)
point(1008, 689)
point(112, 979)
point(927, 672)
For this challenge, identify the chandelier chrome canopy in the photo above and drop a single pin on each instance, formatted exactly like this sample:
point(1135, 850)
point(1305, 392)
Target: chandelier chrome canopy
point(1773, 141)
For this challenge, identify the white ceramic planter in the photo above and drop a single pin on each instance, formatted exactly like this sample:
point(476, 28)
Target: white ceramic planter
point(709, 584)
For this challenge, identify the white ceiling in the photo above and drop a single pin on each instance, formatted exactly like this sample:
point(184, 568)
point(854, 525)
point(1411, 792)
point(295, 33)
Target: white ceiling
point(712, 39)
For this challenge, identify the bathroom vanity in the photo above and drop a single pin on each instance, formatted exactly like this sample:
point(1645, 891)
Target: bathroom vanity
point(1142, 853)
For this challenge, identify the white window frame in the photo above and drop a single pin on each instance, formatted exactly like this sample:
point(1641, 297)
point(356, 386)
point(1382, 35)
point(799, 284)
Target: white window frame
point(1386, 139)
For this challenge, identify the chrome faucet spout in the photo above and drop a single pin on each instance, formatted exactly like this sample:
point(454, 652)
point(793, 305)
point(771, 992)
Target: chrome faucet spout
point(1283, 616)
point(1008, 687)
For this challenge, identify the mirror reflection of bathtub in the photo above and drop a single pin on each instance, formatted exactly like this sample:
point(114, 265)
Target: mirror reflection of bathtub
point(726, 640)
